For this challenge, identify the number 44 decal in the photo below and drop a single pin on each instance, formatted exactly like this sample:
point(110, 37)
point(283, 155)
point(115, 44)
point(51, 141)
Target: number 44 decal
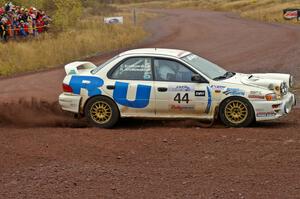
point(185, 98)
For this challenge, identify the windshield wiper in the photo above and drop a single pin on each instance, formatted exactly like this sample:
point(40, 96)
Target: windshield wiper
point(225, 76)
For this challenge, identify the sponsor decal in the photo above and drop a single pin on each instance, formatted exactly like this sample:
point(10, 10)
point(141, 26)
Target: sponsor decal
point(200, 93)
point(176, 107)
point(142, 95)
point(136, 68)
point(256, 95)
point(182, 98)
point(93, 85)
point(217, 88)
point(234, 91)
point(265, 114)
point(182, 88)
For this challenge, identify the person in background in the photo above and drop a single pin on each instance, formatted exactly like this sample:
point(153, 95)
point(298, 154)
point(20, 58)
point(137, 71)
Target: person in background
point(23, 28)
point(8, 6)
point(40, 22)
point(10, 23)
point(47, 21)
point(15, 26)
point(30, 27)
point(9, 29)
point(2, 11)
point(3, 29)
point(34, 22)
point(25, 15)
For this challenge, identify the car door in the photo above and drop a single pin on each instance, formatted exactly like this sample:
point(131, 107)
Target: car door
point(176, 94)
point(131, 87)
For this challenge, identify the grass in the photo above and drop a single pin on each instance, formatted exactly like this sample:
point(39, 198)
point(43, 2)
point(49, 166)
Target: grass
point(265, 10)
point(90, 36)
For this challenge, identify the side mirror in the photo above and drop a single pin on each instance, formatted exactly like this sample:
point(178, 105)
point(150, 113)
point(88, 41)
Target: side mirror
point(198, 78)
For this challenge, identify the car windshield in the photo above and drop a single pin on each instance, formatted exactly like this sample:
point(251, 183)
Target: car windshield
point(102, 65)
point(206, 67)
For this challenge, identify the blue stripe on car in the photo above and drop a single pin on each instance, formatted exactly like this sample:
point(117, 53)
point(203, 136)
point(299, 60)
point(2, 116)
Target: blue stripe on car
point(209, 100)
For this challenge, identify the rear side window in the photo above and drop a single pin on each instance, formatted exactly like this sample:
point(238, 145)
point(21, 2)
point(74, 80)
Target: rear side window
point(138, 68)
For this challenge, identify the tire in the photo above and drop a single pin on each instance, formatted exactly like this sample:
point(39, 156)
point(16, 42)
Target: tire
point(236, 112)
point(102, 112)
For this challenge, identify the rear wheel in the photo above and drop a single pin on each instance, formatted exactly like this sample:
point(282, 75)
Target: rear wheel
point(236, 112)
point(102, 112)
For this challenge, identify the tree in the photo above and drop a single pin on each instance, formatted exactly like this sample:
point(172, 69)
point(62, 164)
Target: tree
point(66, 13)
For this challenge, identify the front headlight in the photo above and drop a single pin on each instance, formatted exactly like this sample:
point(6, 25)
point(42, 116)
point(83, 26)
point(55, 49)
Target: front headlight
point(271, 97)
point(284, 88)
point(291, 81)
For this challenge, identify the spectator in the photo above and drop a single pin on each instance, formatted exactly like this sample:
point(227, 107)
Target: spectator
point(3, 29)
point(30, 27)
point(16, 26)
point(23, 28)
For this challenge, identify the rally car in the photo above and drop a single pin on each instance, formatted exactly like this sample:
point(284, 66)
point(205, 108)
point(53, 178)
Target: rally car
point(168, 83)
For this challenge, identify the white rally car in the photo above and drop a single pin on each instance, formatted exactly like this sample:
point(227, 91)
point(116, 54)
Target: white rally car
point(167, 83)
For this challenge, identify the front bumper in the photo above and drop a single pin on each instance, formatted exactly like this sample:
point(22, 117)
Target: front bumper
point(270, 110)
point(70, 102)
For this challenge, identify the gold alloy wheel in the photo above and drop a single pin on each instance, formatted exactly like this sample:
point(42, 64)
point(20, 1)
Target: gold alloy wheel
point(101, 112)
point(236, 112)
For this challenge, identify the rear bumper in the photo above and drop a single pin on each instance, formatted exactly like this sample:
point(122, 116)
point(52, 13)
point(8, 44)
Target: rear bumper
point(270, 110)
point(69, 102)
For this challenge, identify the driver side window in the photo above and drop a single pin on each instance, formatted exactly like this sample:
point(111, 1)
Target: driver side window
point(172, 71)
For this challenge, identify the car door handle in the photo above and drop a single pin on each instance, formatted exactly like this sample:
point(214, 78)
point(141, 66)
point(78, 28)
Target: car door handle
point(162, 89)
point(110, 87)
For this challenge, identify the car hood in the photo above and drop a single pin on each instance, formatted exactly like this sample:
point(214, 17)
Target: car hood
point(269, 81)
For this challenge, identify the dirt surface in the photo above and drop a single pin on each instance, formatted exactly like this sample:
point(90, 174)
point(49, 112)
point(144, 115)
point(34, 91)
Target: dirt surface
point(44, 153)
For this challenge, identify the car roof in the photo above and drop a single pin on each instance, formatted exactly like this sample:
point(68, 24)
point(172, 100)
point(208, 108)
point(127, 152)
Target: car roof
point(157, 51)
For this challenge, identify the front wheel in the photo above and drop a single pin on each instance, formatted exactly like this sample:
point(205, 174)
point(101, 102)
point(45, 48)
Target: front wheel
point(236, 112)
point(102, 112)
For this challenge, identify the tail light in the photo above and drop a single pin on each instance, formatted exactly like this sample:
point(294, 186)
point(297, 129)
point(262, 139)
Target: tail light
point(67, 88)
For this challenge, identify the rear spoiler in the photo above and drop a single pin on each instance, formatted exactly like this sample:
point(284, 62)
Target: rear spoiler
point(78, 67)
